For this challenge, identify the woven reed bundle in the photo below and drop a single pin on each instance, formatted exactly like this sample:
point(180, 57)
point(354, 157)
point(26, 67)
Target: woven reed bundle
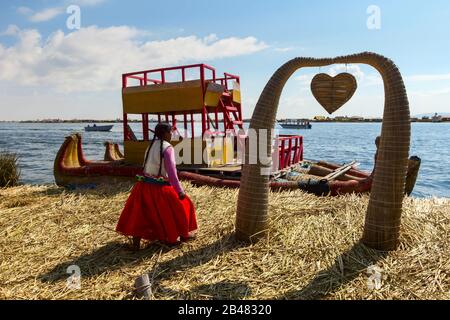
point(385, 206)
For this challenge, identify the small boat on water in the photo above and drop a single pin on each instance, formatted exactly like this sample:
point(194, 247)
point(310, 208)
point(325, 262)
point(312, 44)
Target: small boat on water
point(295, 124)
point(98, 128)
point(436, 118)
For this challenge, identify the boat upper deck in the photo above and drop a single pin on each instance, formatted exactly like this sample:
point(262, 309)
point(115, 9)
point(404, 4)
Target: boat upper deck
point(177, 90)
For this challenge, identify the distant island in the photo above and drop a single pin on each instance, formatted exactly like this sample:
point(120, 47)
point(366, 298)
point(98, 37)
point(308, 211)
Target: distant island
point(426, 118)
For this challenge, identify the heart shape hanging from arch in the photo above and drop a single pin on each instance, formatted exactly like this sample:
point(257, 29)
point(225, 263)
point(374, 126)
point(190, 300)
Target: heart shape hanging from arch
point(333, 92)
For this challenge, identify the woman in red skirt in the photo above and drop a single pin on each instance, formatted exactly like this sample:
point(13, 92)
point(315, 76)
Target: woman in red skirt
point(158, 208)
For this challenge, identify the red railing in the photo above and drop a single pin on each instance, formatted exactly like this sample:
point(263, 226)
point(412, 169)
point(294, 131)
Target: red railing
point(148, 77)
point(290, 150)
point(145, 77)
point(227, 77)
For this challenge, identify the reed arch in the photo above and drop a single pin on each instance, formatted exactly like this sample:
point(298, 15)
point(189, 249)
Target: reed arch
point(382, 223)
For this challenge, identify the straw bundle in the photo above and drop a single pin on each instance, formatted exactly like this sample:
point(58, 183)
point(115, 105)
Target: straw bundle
point(311, 249)
point(385, 207)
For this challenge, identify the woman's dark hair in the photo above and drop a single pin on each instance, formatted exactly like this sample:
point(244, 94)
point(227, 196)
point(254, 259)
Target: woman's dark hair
point(160, 129)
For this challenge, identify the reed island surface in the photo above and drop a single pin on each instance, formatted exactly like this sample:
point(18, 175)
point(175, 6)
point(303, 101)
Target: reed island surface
point(312, 249)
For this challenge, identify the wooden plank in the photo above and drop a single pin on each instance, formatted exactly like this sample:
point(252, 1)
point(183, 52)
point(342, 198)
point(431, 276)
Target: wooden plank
point(340, 171)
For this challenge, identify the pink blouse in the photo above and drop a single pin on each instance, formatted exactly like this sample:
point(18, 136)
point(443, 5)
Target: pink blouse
point(171, 169)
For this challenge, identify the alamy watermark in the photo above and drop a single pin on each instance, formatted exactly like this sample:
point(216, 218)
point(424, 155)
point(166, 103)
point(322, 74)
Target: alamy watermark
point(73, 22)
point(374, 282)
point(74, 281)
point(249, 147)
point(374, 19)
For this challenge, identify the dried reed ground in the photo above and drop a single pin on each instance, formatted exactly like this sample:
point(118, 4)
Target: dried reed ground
point(312, 250)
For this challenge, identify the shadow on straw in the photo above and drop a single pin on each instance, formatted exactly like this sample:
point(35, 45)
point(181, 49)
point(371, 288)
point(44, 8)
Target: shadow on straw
point(346, 268)
point(111, 256)
point(223, 290)
point(114, 256)
point(191, 259)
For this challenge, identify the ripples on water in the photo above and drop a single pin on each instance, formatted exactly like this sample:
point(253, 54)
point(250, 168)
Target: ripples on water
point(37, 145)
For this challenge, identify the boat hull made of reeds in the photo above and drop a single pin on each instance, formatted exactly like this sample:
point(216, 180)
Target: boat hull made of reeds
point(71, 168)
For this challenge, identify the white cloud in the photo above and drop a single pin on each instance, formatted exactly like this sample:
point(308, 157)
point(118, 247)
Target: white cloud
point(304, 79)
point(52, 12)
point(364, 79)
point(25, 11)
point(93, 58)
point(211, 38)
point(374, 78)
point(430, 93)
point(428, 77)
point(11, 30)
point(88, 2)
point(286, 49)
point(46, 14)
point(352, 69)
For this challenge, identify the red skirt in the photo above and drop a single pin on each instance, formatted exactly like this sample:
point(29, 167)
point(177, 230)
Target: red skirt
point(154, 212)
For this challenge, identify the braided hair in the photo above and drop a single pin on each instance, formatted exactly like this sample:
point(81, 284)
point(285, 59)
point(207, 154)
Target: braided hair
point(160, 130)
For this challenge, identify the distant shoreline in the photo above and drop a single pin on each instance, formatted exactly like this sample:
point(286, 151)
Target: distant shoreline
point(245, 120)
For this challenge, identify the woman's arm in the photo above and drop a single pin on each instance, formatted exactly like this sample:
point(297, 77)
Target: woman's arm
point(171, 169)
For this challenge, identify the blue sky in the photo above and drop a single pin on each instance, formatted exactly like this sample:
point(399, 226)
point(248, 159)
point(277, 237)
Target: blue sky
point(49, 71)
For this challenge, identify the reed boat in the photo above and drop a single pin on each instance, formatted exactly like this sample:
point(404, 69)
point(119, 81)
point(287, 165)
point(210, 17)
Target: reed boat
point(72, 169)
point(216, 103)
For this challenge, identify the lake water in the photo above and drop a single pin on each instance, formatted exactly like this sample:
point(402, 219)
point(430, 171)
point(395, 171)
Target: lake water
point(37, 145)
